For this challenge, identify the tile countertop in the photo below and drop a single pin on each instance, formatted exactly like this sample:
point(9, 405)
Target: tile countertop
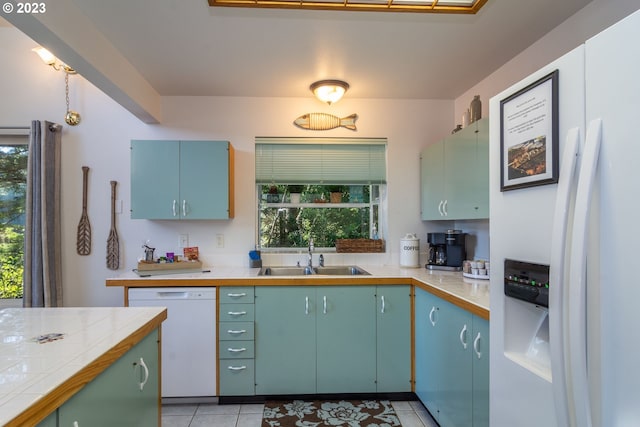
point(470, 294)
point(35, 377)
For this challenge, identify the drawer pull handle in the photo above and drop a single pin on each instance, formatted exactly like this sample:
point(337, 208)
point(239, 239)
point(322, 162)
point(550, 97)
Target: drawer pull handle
point(236, 313)
point(236, 350)
point(243, 294)
point(237, 368)
point(145, 369)
point(241, 331)
point(463, 337)
point(476, 346)
point(431, 316)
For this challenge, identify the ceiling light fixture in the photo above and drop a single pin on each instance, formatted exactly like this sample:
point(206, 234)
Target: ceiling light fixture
point(329, 91)
point(72, 118)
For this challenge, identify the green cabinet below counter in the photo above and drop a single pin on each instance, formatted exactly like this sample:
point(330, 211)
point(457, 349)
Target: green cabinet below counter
point(126, 393)
point(452, 362)
point(332, 339)
point(455, 175)
point(181, 179)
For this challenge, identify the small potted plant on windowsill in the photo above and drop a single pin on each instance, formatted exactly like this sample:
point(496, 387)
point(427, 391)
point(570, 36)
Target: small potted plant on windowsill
point(273, 196)
point(295, 191)
point(336, 193)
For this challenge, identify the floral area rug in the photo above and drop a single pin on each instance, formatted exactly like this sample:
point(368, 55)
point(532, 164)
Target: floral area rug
point(339, 413)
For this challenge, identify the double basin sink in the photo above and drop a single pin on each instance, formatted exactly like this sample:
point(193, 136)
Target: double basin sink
point(337, 270)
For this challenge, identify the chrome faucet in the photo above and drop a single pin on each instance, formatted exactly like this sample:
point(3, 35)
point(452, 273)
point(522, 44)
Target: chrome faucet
point(310, 262)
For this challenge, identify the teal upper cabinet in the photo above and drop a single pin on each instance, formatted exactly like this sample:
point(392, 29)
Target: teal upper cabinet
point(455, 175)
point(181, 179)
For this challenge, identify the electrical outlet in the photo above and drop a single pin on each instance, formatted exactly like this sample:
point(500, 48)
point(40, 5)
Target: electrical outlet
point(183, 241)
point(220, 240)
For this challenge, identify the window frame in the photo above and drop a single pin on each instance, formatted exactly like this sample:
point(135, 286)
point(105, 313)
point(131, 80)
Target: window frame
point(14, 136)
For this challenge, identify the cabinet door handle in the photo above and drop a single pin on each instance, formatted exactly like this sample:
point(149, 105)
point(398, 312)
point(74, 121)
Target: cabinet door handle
point(236, 313)
point(232, 332)
point(463, 337)
point(236, 350)
point(173, 208)
point(383, 304)
point(184, 208)
point(444, 208)
point(306, 305)
point(432, 317)
point(440, 208)
point(75, 424)
point(243, 294)
point(146, 373)
point(236, 368)
point(324, 304)
point(476, 346)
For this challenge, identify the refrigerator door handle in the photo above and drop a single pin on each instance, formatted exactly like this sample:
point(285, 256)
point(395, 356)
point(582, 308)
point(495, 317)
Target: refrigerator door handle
point(556, 276)
point(577, 274)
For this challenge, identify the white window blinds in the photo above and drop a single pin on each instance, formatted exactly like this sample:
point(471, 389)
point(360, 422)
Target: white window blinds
point(321, 160)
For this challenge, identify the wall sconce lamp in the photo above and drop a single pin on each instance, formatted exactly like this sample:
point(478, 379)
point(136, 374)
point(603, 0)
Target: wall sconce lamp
point(72, 118)
point(329, 91)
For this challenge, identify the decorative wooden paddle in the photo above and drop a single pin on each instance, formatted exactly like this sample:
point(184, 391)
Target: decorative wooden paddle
point(113, 245)
point(83, 243)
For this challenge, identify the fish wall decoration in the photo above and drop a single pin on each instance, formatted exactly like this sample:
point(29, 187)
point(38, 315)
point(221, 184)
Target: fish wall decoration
point(323, 121)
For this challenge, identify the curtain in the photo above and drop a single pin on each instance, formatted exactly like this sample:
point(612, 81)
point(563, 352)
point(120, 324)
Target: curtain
point(42, 248)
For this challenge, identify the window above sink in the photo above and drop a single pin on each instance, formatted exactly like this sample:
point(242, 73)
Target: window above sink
point(320, 189)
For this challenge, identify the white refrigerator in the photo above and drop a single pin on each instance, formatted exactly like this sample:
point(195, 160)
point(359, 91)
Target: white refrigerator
point(577, 361)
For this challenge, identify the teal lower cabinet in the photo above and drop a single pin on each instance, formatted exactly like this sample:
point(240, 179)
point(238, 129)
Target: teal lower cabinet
point(126, 393)
point(236, 344)
point(332, 339)
point(480, 372)
point(50, 421)
point(346, 339)
point(393, 338)
point(452, 362)
point(286, 340)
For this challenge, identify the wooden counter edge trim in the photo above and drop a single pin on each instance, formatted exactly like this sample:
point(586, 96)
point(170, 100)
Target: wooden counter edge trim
point(264, 281)
point(43, 407)
point(466, 305)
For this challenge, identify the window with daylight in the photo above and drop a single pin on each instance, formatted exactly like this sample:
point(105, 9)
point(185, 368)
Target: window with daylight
point(319, 188)
point(14, 151)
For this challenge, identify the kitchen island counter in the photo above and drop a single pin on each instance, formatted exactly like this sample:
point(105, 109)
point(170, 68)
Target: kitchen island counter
point(470, 294)
point(38, 377)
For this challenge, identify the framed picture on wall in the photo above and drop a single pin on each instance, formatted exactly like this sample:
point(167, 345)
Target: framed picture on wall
point(529, 135)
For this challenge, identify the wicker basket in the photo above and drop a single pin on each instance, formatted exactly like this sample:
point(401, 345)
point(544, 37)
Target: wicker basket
point(359, 245)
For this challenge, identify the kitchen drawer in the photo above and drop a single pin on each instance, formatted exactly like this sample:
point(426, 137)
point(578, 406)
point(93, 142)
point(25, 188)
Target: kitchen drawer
point(237, 377)
point(236, 312)
point(240, 294)
point(236, 331)
point(237, 350)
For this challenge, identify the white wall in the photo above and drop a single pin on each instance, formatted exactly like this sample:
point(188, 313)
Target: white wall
point(592, 19)
point(30, 90)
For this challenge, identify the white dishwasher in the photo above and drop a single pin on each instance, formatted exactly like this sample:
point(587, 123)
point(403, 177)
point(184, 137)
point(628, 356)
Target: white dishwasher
point(188, 338)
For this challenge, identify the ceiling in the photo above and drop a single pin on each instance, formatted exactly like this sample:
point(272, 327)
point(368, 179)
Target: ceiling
point(186, 47)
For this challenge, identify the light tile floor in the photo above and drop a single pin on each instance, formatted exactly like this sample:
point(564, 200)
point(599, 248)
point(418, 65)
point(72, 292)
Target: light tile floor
point(410, 413)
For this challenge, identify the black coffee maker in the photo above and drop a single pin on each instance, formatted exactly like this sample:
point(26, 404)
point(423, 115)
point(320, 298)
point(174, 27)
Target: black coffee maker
point(446, 250)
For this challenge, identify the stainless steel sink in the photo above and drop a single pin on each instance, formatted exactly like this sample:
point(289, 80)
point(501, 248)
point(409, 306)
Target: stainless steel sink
point(341, 270)
point(285, 271)
point(335, 270)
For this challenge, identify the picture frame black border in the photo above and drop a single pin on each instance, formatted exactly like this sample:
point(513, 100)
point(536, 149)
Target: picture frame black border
point(554, 143)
